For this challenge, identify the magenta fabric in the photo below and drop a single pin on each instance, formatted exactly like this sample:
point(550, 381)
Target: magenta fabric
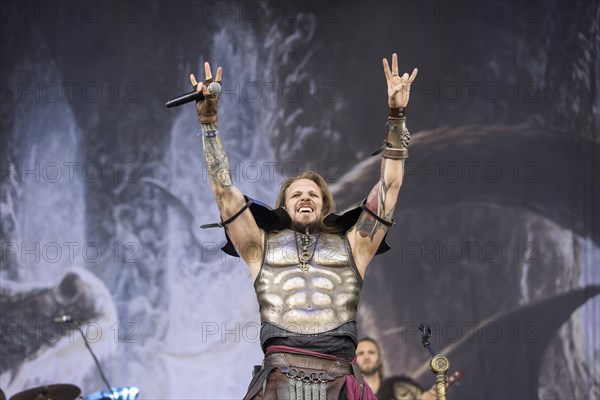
point(353, 389)
point(287, 349)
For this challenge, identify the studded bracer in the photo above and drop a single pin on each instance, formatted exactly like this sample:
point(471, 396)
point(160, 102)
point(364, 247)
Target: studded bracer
point(310, 297)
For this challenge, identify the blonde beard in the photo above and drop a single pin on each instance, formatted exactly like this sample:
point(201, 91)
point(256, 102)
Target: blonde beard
point(375, 370)
point(302, 227)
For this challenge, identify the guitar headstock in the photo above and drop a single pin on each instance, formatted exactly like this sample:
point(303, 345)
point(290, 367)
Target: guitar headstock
point(454, 378)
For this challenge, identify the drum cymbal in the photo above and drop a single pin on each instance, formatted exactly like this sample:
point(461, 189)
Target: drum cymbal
point(61, 391)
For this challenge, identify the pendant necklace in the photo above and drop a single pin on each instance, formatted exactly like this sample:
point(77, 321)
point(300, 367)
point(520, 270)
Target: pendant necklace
point(302, 245)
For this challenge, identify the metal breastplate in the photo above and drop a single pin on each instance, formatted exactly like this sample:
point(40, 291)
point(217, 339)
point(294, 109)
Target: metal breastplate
point(309, 299)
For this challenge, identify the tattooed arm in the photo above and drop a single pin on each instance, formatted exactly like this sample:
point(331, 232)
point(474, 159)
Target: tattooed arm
point(368, 232)
point(245, 234)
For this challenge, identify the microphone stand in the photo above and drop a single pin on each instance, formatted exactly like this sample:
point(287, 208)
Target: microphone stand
point(87, 344)
point(439, 364)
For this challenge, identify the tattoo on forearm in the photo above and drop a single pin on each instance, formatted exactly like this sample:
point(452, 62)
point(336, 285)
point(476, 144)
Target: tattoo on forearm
point(217, 163)
point(367, 225)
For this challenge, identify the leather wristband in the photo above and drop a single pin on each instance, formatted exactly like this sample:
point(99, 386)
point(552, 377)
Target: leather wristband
point(398, 136)
point(399, 112)
point(396, 144)
point(395, 154)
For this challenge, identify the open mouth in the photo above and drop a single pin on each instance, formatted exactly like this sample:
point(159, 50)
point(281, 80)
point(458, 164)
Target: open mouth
point(304, 209)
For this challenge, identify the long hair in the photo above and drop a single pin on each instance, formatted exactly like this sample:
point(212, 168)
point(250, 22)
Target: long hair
point(328, 203)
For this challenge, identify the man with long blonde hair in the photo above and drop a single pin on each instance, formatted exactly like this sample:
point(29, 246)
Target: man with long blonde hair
point(308, 264)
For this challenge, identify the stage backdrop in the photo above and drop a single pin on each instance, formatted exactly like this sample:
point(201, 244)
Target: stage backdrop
point(103, 189)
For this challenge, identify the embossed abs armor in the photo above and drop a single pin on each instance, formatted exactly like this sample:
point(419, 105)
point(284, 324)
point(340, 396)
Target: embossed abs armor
point(310, 297)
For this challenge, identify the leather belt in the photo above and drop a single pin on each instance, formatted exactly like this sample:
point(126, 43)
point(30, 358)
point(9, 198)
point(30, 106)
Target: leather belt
point(307, 367)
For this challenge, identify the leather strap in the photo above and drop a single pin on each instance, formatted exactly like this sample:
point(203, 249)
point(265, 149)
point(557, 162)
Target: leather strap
point(359, 378)
point(229, 220)
point(321, 367)
point(382, 148)
point(399, 112)
point(390, 152)
point(377, 217)
point(395, 154)
point(258, 382)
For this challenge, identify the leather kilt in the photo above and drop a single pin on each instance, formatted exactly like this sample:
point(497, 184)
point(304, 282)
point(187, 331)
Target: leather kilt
point(291, 376)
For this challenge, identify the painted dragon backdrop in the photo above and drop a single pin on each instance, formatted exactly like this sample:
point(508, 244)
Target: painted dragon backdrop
point(103, 189)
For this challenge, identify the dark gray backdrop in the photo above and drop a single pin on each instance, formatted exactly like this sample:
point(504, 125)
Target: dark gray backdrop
point(103, 188)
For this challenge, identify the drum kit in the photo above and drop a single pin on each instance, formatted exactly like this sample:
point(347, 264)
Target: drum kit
point(65, 391)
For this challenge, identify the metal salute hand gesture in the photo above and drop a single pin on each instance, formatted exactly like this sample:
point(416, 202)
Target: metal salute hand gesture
point(398, 86)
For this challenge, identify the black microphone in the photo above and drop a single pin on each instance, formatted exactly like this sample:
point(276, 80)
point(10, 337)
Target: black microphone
point(213, 88)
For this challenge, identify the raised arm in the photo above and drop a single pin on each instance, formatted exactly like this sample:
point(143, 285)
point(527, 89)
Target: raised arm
point(369, 231)
point(245, 234)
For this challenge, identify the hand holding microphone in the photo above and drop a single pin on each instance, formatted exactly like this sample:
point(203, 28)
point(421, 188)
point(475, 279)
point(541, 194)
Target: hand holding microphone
point(213, 88)
point(206, 95)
